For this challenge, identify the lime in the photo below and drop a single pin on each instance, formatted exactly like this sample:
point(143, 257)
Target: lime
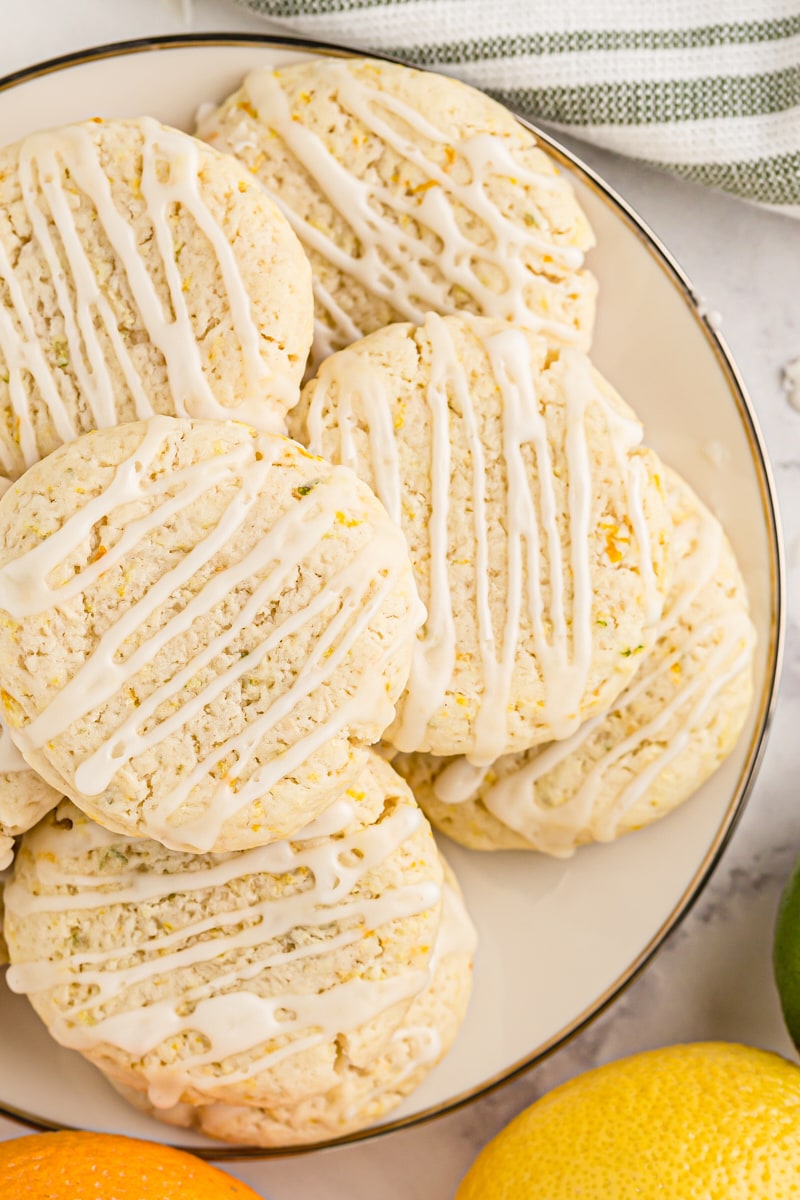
point(786, 953)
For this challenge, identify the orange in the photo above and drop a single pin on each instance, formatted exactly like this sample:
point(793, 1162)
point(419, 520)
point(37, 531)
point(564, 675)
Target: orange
point(710, 1121)
point(103, 1166)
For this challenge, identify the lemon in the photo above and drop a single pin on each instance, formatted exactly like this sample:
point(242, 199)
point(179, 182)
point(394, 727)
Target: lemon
point(787, 954)
point(710, 1121)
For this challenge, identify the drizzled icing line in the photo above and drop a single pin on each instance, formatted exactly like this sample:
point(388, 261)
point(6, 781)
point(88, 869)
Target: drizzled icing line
point(18, 813)
point(564, 655)
point(11, 761)
point(356, 593)
point(423, 1045)
point(50, 164)
point(233, 1019)
point(390, 261)
point(699, 547)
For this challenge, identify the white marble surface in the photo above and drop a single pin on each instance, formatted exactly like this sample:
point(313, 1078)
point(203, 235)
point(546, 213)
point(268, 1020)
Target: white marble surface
point(713, 977)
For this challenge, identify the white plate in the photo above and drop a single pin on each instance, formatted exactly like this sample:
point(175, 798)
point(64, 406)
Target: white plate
point(558, 939)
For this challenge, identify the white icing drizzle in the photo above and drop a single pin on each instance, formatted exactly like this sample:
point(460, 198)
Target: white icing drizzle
point(423, 1045)
point(44, 158)
point(634, 471)
point(457, 934)
point(18, 812)
point(391, 260)
point(11, 761)
point(460, 780)
point(232, 1019)
point(357, 591)
point(698, 543)
point(562, 628)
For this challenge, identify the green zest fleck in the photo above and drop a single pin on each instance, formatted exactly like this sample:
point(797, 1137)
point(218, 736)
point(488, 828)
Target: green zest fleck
point(603, 623)
point(530, 219)
point(305, 488)
point(112, 854)
point(60, 351)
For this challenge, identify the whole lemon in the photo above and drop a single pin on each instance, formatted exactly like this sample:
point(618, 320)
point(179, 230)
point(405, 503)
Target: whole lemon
point(710, 1121)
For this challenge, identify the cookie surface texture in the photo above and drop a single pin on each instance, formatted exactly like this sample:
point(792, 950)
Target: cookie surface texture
point(249, 978)
point(24, 796)
point(535, 520)
point(140, 272)
point(363, 1094)
point(201, 629)
point(411, 192)
point(676, 722)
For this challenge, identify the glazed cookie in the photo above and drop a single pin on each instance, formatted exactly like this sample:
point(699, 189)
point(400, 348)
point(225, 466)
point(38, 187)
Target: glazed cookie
point(140, 272)
point(536, 523)
point(201, 628)
point(247, 978)
point(24, 796)
point(411, 192)
point(669, 731)
point(362, 1095)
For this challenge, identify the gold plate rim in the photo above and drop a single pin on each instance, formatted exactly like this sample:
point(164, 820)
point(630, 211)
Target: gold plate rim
point(767, 700)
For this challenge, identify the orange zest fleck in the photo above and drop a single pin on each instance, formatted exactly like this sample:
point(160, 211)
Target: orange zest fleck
point(424, 187)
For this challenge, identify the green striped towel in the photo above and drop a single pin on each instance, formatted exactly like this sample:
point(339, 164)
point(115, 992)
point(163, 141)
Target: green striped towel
point(708, 89)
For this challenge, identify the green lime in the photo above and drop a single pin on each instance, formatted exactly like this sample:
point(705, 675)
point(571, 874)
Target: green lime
point(786, 953)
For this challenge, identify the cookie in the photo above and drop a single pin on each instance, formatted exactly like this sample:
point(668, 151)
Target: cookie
point(201, 628)
point(24, 796)
point(141, 272)
point(665, 736)
point(247, 978)
point(535, 520)
point(362, 1095)
point(411, 192)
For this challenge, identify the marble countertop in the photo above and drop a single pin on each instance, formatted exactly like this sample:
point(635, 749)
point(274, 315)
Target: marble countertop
point(712, 979)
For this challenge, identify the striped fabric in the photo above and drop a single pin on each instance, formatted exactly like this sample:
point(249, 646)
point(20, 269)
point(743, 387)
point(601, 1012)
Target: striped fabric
point(708, 89)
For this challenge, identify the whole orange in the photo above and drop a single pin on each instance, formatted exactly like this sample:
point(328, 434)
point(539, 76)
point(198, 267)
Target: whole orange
point(103, 1166)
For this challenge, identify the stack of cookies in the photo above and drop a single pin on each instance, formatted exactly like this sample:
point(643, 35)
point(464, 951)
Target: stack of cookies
point(235, 663)
point(586, 659)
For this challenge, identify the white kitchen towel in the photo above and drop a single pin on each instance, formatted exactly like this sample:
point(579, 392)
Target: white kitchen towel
point(708, 89)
